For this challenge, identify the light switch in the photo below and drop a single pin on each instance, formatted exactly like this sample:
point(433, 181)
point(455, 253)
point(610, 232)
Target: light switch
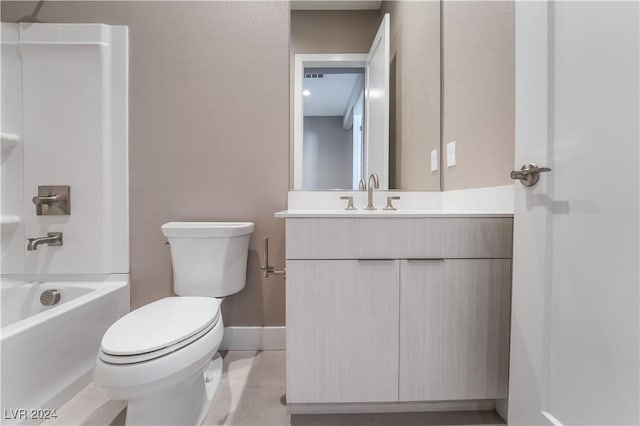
point(451, 154)
point(434, 160)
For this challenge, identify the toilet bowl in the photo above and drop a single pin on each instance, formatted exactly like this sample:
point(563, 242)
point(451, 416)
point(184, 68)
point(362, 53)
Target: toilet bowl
point(162, 358)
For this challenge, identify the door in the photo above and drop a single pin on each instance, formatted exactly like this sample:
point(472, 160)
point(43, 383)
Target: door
point(377, 105)
point(342, 331)
point(574, 336)
point(358, 141)
point(454, 329)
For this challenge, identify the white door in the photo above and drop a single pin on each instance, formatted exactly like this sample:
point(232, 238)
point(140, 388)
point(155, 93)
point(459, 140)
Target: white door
point(575, 322)
point(377, 105)
point(357, 141)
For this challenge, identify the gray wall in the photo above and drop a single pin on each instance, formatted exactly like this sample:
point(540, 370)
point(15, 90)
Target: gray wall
point(476, 41)
point(415, 93)
point(478, 44)
point(327, 154)
point(207, 133)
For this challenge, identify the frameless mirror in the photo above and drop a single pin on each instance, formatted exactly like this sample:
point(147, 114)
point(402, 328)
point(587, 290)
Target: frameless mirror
point(396, 134)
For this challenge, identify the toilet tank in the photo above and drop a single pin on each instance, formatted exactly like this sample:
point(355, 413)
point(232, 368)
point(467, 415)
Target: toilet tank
point(209, 258)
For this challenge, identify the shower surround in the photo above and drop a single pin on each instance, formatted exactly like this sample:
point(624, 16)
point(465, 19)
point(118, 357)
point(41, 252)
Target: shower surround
point(64, 123)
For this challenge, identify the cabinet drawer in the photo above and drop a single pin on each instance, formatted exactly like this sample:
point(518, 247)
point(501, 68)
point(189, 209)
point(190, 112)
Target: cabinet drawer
point(398, 238)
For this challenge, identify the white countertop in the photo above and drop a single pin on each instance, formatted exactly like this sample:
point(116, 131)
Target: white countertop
point(400, 213)
point(478, 202)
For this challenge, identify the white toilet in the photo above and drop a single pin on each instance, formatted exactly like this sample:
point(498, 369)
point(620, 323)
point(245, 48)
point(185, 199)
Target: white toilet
point(162, 358)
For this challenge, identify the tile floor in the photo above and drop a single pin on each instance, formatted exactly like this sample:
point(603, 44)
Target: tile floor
point(251, 393)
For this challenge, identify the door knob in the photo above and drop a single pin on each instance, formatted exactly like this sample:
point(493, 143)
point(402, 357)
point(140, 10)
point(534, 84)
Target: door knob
point(529, 174)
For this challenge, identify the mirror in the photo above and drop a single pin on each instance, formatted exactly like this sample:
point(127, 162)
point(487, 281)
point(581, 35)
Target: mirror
point(333, 128)
point(338, 138)
point(331, 93)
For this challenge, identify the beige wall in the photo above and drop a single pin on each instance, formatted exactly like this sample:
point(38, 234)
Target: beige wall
point(479, 92)
point(340, 31)
point(208, 130)
point(415, 93)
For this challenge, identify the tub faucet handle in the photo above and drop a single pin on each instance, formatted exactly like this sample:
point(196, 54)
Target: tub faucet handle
point(49, 200)
point(52, 200)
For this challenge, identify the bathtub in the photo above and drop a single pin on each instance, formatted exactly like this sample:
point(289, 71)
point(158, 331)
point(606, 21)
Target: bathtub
point(48, 353)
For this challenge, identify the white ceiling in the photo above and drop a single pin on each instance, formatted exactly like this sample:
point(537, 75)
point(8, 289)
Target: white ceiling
point(329, 95)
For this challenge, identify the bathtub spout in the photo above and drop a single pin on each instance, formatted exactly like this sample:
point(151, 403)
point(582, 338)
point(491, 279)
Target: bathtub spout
point(52, 239)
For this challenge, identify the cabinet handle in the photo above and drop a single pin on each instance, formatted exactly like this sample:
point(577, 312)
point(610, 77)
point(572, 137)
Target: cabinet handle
point(375, 260)
point(426, 260)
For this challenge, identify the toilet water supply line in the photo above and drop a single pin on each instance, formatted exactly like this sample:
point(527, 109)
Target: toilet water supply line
point(266, 269)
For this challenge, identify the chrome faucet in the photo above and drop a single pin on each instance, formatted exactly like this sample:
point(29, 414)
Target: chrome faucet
point(373, 183)
point(52, 239)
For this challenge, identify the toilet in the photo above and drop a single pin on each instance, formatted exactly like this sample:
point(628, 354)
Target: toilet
point(162, 358)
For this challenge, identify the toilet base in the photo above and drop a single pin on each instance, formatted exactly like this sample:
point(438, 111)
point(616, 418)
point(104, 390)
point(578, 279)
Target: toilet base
point(212, 376)
point(185, 403)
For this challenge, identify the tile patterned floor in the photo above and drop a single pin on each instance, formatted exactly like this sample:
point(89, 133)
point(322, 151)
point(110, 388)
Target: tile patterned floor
point(252, 393)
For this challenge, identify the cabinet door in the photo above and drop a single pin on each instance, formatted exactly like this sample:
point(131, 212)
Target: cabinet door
point(454, 329)
point(342, 330)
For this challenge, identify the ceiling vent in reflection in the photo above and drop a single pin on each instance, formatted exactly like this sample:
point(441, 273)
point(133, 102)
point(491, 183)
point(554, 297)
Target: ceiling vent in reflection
point(315, 75)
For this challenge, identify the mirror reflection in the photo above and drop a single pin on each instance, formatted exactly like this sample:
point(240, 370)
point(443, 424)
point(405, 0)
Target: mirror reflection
point(397, 48)
point(333, 128)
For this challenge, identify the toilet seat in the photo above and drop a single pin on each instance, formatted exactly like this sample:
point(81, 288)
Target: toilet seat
point(158, 329)
point(130, 381)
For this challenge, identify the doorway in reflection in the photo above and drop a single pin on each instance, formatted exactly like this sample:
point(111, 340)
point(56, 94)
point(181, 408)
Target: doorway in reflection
point(333, 136)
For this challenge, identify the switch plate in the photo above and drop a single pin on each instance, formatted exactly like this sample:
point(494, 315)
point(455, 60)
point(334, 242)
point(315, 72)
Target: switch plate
point(451, 154)
point(434, 160)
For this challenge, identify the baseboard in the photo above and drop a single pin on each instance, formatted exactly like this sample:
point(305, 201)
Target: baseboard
point(392, 407)
point(502, 408)
point(253, 339)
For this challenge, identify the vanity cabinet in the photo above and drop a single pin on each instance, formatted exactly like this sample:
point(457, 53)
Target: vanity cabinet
point(454, 329)
point(340, 329)
point(390, 310)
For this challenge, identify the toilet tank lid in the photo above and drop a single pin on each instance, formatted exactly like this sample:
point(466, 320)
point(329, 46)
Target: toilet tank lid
point(206, 229)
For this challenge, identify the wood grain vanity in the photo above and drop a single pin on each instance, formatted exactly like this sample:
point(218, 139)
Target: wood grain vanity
point(393, 308)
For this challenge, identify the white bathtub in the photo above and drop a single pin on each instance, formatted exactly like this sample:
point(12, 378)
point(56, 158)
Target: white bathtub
point(48, 353)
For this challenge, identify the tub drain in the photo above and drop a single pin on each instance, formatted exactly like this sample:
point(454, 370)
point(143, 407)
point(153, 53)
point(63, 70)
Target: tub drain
point(49, 297)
